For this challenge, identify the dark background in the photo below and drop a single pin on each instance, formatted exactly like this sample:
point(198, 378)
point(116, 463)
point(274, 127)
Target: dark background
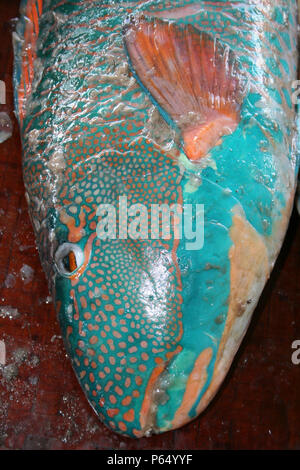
point(41, 403)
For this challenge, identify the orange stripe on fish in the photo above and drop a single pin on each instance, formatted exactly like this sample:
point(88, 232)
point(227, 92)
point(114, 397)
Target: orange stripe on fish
point(75, 231)
point(191, 76)
point(148, 397)
point(30, 66)
point(26, 74)
point(87, 255)
point(40, 6)
point(33, 12)
point(195, 383)
point(35, 18)
point(20, 99)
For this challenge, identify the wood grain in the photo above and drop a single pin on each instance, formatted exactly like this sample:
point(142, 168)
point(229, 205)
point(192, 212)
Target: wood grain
point(41, 403)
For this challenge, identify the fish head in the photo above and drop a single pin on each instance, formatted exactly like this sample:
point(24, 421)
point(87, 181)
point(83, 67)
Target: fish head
point(118, 296)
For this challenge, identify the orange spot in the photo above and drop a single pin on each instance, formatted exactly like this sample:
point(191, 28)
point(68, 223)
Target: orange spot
point(92, 377)
point(127, 382)
point(112, 412)
point(137, 433)
point(122, 426)
point(126, 401)
point(102, 401)
point(129, 415)
point(139, 380)
point(93, 339)
point(109, 308)
point(112, 399)
point(118, 390)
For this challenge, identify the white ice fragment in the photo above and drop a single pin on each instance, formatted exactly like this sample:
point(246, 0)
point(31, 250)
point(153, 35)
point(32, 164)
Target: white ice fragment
point(5, 127)
point(10, 281)
point(26, 273)
point(46, 300)
point(7, 311)
point(55, 337)
point(25, 247)
point(2, 353)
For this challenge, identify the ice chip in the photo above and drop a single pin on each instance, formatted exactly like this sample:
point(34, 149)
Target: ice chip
point(6, 127)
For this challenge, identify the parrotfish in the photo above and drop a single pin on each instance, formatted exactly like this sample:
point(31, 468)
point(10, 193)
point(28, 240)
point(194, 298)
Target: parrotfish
point(156, 104)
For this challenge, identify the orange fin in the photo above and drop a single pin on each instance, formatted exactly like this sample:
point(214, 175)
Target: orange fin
point(191, 76)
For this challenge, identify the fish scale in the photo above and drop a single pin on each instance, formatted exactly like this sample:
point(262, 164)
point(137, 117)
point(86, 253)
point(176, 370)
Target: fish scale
point(144, 320)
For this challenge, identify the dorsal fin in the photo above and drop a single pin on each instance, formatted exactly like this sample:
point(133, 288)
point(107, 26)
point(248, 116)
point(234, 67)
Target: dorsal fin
point(191, 76)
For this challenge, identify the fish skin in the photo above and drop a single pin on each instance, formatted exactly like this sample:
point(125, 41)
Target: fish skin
point(152, 329)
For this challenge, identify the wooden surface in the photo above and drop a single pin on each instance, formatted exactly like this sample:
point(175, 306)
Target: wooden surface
point(41, 403)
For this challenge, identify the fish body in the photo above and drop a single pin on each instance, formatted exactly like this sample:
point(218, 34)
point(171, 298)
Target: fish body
point(185, 103)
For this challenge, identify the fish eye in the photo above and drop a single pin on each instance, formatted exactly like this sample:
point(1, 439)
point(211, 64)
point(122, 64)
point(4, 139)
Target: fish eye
point(68, 258)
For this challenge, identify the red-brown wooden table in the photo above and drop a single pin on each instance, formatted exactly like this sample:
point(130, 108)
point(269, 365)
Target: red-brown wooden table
point(41, 403)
